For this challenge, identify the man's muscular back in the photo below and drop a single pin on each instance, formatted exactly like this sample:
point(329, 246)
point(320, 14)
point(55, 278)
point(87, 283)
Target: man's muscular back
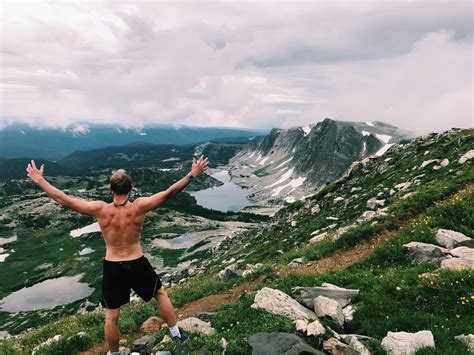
point(121, 227)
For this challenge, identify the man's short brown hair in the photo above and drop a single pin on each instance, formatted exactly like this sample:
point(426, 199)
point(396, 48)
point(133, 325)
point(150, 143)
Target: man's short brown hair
point(120, 182)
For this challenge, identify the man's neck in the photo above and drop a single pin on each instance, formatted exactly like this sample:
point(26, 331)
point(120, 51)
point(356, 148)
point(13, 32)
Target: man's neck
point(120, 200)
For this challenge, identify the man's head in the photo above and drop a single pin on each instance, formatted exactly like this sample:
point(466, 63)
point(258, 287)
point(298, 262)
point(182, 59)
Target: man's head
point(120, 182)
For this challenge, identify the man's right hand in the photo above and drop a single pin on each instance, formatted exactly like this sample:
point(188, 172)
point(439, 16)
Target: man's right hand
point(199, 165)
point(33, 172)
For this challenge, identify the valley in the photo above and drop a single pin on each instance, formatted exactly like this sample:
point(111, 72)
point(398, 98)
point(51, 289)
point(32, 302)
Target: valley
point(335, 203)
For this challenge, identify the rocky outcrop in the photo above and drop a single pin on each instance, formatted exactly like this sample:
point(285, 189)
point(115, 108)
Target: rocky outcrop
point(457, 264)
point(279, 303)
point(403, 343)
point(465, 157)
point(450, 238)
point(230, 272)
point(306, 295)
point(425, 253)
point(280, 343)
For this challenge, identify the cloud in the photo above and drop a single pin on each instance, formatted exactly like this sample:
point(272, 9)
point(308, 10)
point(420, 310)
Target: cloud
point(237, 64)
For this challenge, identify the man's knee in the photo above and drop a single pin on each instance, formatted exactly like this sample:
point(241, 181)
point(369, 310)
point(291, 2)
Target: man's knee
point(112, 315)
point(160, 292)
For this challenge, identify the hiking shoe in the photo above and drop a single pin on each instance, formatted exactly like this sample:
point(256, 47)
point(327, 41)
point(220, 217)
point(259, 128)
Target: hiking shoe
point(183, 339)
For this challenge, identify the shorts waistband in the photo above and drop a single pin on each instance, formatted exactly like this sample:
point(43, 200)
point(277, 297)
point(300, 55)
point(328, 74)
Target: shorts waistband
point(124, 261)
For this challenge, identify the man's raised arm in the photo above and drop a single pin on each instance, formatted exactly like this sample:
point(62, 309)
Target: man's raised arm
point(146, 204)
point(79, 205)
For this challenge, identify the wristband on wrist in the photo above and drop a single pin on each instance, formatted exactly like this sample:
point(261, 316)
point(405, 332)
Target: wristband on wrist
point(190, 177)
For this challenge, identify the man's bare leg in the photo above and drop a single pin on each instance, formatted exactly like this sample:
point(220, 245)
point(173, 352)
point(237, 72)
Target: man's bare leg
point(165, 307)
point(111, 328)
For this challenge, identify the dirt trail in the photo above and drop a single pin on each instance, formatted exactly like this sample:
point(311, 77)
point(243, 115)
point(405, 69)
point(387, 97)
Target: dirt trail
point(337, 260)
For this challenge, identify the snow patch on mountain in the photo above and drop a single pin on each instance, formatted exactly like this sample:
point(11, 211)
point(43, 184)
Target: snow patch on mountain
point(306, 129)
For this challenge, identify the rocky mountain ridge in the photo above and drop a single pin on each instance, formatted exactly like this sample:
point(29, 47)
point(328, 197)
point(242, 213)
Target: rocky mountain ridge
point(289, 164)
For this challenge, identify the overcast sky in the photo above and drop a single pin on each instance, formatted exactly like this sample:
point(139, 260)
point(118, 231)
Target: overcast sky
point(238, 64)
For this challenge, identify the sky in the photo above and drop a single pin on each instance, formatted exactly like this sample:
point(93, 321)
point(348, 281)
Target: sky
point(237, 64)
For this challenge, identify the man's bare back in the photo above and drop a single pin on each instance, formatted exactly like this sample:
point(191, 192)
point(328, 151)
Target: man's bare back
point(121, 227)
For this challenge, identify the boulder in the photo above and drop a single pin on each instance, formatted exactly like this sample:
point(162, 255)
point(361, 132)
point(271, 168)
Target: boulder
point(315, 209)
point(337, 347)
point(296, 262)
point(327, 307)
point(450, 238)
point(280, 343)
point(367, 216)
point(428, 162)
point(279, 303)
point(318, 238)
point(144, 344)
point(457, 264)
point(294, 223)
point(444, 163)
point(152, 324)
point(463, 252)
point(306, 295)
point(338, 199)
point(230, 272)
point(403, 186)
point(403, 343)
point(425, 253)
point(468, 340)
point(195, 325)
point(356, 344)
point(468, 156)
point(315, 329)
point(373, 203)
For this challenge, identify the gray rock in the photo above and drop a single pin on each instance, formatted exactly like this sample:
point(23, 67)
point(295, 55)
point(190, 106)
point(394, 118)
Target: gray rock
point(296, 262)
point(403, 343)
point(144, 344)
point(356, 189)
point(367, 216)
point(468, 156)
point(205, 316)
point(338, 199)
point(355, 344)
point(315, 329)
point(444, 163)
point(230, 272)
point(450, 238)
point(294, 223)
point(280, 344)
point(279, 303)
point(468, 340)
point(337, 347)
point(195, 325)
point(373, 203)
point(318, 238)
point(428, 162)
point(306, 295)
point(457, 264)
point(463, 252)
point(403, 186)
point(327, 307)
point(425, 253)
point(315, 209)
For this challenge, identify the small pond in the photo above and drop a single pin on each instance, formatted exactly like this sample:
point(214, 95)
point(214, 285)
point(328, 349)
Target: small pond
point(47, 294)
point(227, 197)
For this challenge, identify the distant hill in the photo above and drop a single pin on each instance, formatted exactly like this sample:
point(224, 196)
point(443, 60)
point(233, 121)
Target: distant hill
point(16, 168)
point(20, 140)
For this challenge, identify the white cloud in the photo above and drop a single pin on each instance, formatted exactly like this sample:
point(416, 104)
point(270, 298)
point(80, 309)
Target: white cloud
point(237, 64)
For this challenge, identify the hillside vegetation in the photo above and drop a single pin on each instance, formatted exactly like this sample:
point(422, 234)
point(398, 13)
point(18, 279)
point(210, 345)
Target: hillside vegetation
point(351, 234)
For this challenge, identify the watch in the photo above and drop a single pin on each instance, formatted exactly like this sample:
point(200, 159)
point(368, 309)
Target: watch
point(190, 177)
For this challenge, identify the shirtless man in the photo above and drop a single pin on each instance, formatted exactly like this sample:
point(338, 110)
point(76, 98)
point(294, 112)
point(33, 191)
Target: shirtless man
point(125, 267)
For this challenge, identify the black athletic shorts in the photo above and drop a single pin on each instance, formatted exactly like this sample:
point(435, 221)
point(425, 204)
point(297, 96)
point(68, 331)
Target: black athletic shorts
point(120, 277)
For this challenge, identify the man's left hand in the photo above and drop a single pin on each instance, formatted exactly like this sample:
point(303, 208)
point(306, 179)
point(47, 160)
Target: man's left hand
point(34, 173)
